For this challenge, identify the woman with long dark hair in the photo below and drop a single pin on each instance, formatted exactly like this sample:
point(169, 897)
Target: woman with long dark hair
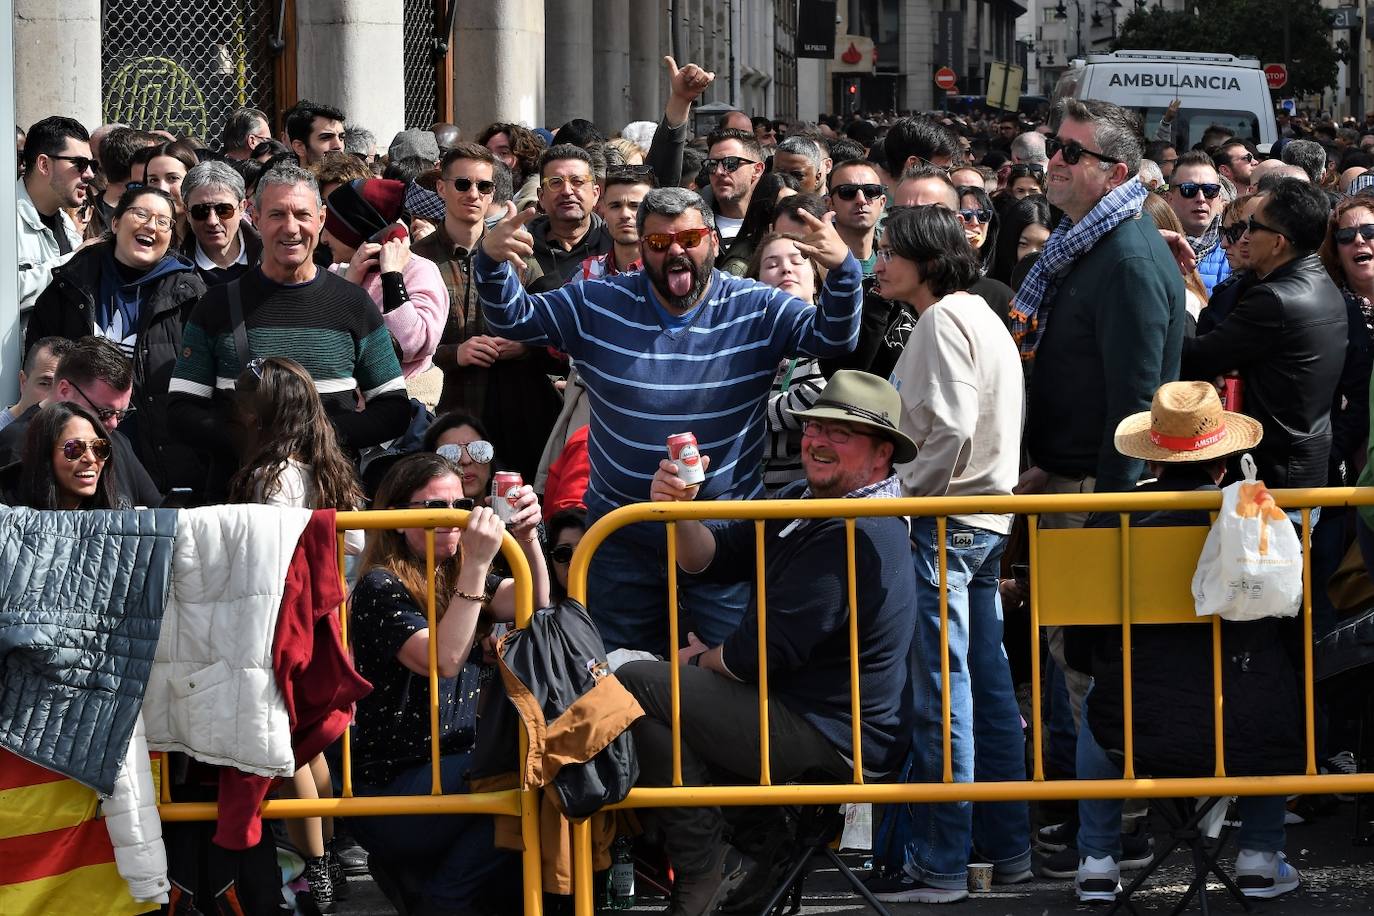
point(450, 857)
point(293, 457)
point(1025, 227)
point(294, 460)
point(68, 462)
point(134, 289)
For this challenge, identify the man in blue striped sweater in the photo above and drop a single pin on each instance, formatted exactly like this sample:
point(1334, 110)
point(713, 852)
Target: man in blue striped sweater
point(678, 346)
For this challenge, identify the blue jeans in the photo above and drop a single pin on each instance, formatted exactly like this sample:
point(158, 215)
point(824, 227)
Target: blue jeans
point(627, 595)
point(1099, 819)
point(451, 856)
point(985, 723)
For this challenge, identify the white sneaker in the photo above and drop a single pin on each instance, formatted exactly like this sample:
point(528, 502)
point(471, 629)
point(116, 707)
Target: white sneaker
point(1098, 880)
point(1265, 874)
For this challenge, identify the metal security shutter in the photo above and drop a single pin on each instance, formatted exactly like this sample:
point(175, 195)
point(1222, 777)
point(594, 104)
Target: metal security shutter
point(183, 65)
point(420, 74)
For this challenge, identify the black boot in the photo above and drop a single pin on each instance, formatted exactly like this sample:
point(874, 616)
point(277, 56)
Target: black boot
point(321, 888)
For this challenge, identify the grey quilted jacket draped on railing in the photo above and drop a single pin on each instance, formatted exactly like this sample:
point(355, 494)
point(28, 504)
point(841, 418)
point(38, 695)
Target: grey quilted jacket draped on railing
point(81, 602)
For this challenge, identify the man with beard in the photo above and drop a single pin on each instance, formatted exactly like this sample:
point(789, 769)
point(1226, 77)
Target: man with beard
point(678, 346)
point(849, 444)
point(57, 167)
point(1236, 159)
point(1195, 197)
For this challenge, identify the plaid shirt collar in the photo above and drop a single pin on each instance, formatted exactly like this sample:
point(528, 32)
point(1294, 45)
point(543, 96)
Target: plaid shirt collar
point(890, 488)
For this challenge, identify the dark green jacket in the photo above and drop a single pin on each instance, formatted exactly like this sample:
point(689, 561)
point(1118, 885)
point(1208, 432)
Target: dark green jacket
point(1113, 335)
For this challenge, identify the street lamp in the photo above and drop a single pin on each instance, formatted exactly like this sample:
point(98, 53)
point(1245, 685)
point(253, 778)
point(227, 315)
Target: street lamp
point(1062, 13)
point(1112, 7)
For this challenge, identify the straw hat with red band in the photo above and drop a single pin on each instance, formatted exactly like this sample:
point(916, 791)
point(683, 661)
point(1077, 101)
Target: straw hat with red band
point(1185, 422)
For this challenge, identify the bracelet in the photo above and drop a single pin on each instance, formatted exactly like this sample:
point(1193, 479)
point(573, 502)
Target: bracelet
point(480, 599)
point(695, 660)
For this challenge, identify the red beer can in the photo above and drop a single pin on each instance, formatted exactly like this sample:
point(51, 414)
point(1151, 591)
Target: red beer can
point(502, 501)
point(682, 449)
point(1232, 395)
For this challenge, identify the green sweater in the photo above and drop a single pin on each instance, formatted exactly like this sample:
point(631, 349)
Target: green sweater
point(1114, 335)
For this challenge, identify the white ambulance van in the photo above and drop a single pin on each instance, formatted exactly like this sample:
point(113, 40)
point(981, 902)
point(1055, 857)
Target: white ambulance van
point(1219, 89)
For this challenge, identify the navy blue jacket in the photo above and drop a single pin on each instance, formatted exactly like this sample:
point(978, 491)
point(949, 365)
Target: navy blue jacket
point(808, 625)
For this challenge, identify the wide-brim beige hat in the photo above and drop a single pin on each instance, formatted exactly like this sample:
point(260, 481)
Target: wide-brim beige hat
point(1186, 423)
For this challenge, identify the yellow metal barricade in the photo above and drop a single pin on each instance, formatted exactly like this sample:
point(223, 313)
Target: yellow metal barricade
point(522, 803)
point(1124, 577)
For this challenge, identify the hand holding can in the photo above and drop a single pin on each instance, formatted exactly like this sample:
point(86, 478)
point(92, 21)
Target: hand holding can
point(502, 499)
point(683, 451)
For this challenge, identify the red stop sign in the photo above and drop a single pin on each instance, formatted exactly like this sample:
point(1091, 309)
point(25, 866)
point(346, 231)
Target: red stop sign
point(1276, 75)
point(946, 79)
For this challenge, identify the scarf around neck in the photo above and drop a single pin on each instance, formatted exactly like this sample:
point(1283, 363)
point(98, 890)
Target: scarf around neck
point(1069, 242)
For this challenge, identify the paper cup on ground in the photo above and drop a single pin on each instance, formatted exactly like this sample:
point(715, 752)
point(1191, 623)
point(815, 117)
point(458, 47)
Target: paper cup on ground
point(979, 877)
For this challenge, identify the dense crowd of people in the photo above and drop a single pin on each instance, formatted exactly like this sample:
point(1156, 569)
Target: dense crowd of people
point(881, 307)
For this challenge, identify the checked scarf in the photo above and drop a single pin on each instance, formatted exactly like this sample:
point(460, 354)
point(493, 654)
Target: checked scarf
point(1069, 242)
point(1206, 243)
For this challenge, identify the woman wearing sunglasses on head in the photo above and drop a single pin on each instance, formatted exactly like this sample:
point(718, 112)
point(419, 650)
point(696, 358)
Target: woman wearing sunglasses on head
point(449, 857)
point(292, 455)
point(132, 288)
point(68, 462)
point(293, 459)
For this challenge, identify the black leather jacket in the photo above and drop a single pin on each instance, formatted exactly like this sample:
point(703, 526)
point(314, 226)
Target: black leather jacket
point(1287, 338)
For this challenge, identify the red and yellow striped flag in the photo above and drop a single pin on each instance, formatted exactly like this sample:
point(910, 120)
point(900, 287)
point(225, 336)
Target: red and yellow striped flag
point(55, 854)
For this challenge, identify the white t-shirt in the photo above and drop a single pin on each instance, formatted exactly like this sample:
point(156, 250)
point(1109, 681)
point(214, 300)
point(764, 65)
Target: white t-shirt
point(727, 227)
point(294, 490)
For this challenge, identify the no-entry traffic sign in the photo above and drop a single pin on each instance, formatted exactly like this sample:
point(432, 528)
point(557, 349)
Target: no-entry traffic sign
point(946, 79)
point(1277, 75)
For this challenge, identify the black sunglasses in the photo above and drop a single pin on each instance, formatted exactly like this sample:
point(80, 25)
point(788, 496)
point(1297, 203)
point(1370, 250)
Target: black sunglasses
point(1023, 170)
point(851, 191)
point(1347, 235)
point(1189, 189)
point(201, 212)
point(81, 163)
point(1232, 233)
point(437, 504)
point(976, 215)
point(1253, 225)
point(1072, 151)
point(464, 185)
point(729, 163)
point(104, 414)
point(563, 553)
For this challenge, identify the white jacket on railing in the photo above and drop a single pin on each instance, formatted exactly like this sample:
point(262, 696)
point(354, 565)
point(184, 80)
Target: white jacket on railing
point(135, 829)
point(212, 693)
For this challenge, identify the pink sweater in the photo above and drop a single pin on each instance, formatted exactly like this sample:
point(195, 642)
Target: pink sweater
point(417, 325)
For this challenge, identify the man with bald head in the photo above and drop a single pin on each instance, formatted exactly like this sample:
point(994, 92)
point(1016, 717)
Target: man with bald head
point(1029, 149)
point(736, 120)
point(448, 135)
point(1276, 168)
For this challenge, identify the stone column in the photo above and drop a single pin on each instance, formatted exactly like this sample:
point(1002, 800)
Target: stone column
point(350, 54)
point(499, 63)
point(57, 60)
point(570, 69)
point(646, 63)
point(612, 64)
point(916, 25)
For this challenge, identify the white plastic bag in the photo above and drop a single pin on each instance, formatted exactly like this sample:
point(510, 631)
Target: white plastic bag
point(858, 827)
point(1251, 565)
